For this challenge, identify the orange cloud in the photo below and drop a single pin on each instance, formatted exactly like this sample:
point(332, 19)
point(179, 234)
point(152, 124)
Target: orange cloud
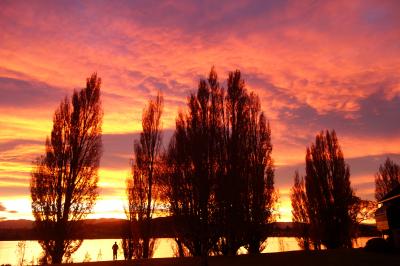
point(315, 65)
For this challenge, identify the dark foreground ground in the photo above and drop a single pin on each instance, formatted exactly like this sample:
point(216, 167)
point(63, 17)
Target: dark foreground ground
point(353, 257)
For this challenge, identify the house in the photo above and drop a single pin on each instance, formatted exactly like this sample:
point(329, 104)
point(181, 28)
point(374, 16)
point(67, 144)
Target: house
point(388, 215)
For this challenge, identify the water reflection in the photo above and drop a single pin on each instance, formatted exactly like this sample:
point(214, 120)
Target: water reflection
point(101, 249)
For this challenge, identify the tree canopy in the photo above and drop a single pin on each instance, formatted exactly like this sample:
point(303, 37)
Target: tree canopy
point(330, 197)
point(220, 184)
point(142, 184)
point(387, 178)
point(64, 179)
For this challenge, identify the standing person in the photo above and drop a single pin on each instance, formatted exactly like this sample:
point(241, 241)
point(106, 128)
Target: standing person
point(115, 249)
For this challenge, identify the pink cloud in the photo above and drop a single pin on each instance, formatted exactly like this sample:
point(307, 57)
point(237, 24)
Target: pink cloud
point(315, 65)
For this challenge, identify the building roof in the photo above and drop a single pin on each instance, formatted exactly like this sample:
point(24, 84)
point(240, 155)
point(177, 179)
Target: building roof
point(393, 194)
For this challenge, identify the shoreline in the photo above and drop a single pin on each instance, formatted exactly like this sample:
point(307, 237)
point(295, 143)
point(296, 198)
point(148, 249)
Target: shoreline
point(342, 257)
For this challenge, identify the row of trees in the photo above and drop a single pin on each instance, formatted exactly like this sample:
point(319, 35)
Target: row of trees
point(216, 177)
point(324, 206)
point(220, 182)
point(217, 174)
point(325, 209)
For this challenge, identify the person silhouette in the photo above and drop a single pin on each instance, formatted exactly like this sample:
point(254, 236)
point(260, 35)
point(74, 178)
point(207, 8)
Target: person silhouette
point(115, 250)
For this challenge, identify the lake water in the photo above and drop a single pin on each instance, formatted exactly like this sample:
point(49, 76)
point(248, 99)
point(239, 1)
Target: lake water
point(100, 249)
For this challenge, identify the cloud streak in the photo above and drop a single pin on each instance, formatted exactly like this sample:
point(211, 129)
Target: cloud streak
point(315, 65)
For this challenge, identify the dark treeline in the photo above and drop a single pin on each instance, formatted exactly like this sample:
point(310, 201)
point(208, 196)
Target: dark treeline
point(325, 209)
point(220, 178)
point(215, 178)
point(161, 227)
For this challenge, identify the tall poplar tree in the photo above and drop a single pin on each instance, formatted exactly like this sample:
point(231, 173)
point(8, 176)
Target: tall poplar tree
point(245, 195)
point(195, 159)
point(221, 179)
point(300, 216)
point(64, 179)
point(330, 198)
point(142, 185)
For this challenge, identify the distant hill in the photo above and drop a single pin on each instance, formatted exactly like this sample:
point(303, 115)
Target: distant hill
point(16, 224)
point(114, 228)
point(92, 228)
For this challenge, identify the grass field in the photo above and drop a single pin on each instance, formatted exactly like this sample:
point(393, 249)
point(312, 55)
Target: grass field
point(343, 257)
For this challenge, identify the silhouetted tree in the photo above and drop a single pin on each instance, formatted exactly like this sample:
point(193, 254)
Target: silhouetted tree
point(300, 217)
point(245, 194)
point(330, 197)
point(361, 211)
point(128, 243)
point(142, 186)
point(260, 196)
point(64, 180)
point(365, 210)
point(220, 170)
point(387, 178)
point(131, 243)
point(195, 158)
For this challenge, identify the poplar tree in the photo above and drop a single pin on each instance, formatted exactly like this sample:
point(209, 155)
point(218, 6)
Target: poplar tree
point(142, 186)
point(221, 176)
point(64, 179)
point(330, 197)
point(300, 216)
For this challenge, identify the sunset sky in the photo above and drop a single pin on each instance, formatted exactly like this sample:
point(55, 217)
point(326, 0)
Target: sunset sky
point(315, 65)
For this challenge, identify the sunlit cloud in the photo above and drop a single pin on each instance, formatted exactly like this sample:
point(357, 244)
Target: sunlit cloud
point(315, 65)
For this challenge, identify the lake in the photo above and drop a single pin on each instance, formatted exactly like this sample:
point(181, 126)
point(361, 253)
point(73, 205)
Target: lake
point(100, 249)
